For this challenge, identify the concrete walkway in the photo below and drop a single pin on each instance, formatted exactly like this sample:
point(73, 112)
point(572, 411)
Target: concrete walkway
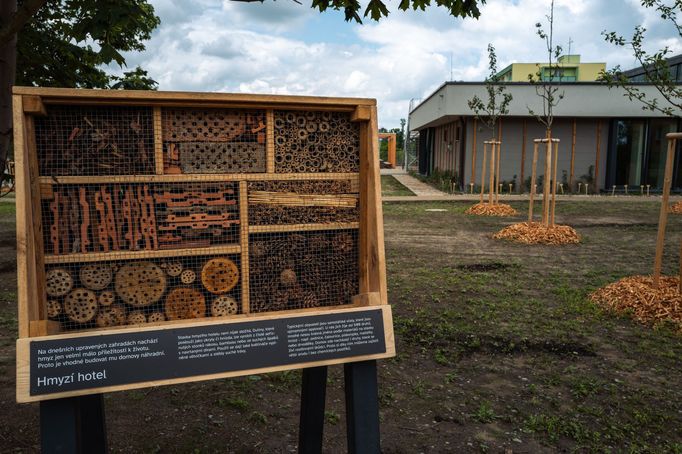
point(420, 189)
point(524, 198)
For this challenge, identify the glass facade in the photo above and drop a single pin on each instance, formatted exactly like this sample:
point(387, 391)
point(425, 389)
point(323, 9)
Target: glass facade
point(638, 151)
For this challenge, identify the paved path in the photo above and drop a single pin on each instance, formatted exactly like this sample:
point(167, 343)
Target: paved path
point(524, 198)
point(420, 189)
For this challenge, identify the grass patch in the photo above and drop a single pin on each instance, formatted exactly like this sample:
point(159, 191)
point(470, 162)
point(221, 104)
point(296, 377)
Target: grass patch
point(392, 187)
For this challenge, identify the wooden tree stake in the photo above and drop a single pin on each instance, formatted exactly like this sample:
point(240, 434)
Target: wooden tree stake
point(491, 188)
point(556, 160)
point(532, 181)
point(663, 215)
point(485, 157)
point(498, 144)
point(547, 184)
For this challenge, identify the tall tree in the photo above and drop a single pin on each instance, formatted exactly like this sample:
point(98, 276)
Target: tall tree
point(376, 9)
point(655, 64)
point(66, 43)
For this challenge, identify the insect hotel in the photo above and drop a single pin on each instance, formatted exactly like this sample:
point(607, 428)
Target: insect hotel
point(141, 214)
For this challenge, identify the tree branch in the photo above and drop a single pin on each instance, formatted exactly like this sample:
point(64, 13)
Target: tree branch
point(15, 23)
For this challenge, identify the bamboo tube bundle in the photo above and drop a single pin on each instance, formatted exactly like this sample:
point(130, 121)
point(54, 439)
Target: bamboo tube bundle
point(316, 142)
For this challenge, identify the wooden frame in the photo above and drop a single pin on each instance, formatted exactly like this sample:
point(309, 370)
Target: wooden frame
point(31, 187)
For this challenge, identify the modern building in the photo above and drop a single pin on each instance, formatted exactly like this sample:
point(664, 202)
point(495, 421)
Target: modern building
point(674, 64)
point(568, 68)
point(605, 138)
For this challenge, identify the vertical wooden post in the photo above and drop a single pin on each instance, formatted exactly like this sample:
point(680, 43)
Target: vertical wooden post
point(532, 181)
point(571, 174)
point(491, 189)
point(158, 141)
point(485, 157)
point(663, 215)
point(270, 141)
point(473, 153)
point(556, 160)
point(244, 243)
point(523, 157)
point(597, 159)
point(311, 422)
point(362, 407)
point(548, 181)
point(497, 172)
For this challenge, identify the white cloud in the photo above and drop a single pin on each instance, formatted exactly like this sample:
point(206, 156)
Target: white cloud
point(284, 48)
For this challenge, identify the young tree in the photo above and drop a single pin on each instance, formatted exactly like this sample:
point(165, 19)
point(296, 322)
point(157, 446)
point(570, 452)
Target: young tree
point(548, 78)
point(498, 99)
point(488, 113)
point(656, 72)
point(656, 69)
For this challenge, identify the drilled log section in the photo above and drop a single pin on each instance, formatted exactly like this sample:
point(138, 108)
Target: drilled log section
point(316, 142)
point(86, 140)
point(119, 293)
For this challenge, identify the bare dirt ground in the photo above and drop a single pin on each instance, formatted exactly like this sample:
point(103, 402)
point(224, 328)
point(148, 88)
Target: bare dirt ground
point(499, 350)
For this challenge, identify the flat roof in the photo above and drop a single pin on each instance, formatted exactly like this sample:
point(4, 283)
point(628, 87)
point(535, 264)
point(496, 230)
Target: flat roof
point(581, 99)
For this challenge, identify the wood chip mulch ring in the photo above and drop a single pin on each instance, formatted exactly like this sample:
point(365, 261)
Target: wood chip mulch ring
point(537, 233)
point(675, 208)
point(636, 296)
point(486, 209)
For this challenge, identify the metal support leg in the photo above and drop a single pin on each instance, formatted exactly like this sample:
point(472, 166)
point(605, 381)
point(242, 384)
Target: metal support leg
point(73, 425)
point(362, 407)
point(313, 394)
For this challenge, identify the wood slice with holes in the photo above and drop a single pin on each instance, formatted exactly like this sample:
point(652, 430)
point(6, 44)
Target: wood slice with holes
point(173, 269)
point(223, 306)
point(156, 317)
point(81, 305)
point(106, 298)
point(140, 284)
point(114, 315)
point(54, 308)
point(185, 303)
point(96, 276)
point(58, 282)
point(219, 275)
point(188, 276)
point(136, 318)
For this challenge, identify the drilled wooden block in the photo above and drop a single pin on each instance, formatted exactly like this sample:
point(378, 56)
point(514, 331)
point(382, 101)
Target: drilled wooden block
point(230, 157)
point(211, 125)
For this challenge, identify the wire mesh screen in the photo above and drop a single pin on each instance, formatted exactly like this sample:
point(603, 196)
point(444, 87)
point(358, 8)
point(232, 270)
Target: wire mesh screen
point(131, 217)
point(84, 140)
point(301, 202)
point(316, 142)
point(214, 141)
point(118, 293)
point(302, 269)
point(129, 250)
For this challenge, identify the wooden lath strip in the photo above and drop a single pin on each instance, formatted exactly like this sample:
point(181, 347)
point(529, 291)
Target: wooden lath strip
point(293, 199)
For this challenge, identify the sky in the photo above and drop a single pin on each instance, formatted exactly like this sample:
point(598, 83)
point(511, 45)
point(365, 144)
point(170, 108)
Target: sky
point(281, 47)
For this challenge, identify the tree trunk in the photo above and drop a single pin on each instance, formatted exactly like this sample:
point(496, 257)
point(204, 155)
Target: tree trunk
point(8, 65)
